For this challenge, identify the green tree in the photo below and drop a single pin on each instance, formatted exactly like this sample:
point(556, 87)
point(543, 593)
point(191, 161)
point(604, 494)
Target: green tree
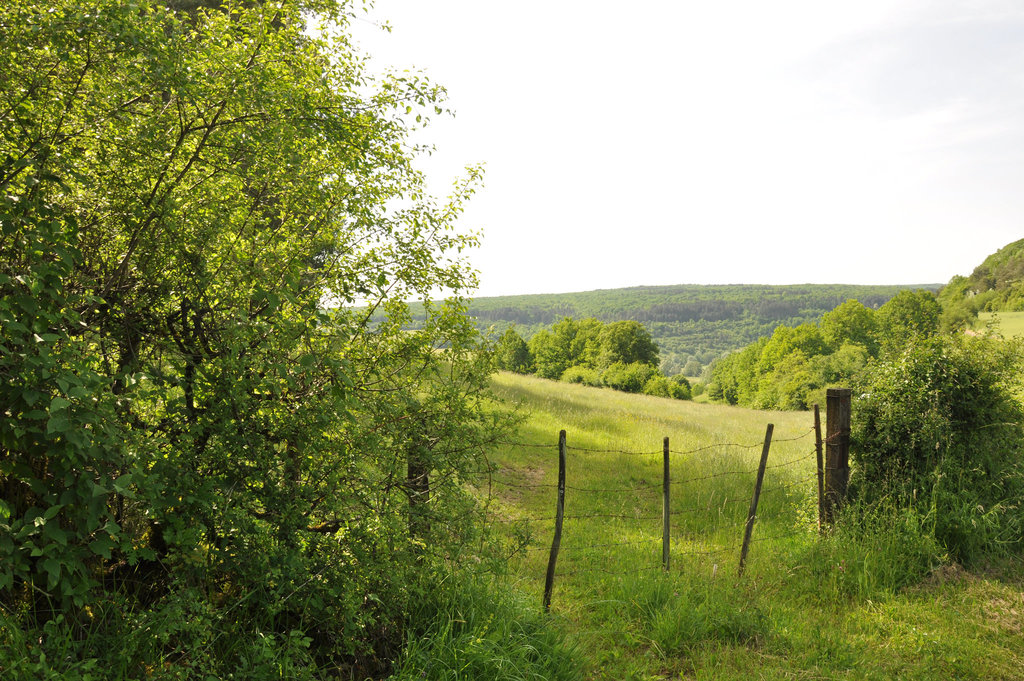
point(570, 342)
point(512, 353)
point(205, 438)
point(907, 316)
point(850, 322)
point(627, 342)
point(692, 367)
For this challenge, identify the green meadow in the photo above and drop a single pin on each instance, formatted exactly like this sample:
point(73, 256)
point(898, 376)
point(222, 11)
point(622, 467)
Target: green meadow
point(1009, 324)
point(876, 601)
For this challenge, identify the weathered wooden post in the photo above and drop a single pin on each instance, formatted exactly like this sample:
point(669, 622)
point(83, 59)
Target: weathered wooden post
point(752, 513)
point(666, 483)
point(821, 467)
point(549, 579)
point(837, 449)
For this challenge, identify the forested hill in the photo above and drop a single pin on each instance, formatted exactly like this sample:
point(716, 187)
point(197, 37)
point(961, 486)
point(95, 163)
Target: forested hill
point(689, 322)
point(997, 284)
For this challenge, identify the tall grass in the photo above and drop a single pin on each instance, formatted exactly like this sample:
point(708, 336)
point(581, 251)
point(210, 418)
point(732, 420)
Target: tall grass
point(866, 600)
point(471, 628)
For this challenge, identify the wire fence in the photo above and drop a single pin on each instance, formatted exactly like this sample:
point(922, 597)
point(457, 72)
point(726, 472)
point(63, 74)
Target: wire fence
point(650, 521)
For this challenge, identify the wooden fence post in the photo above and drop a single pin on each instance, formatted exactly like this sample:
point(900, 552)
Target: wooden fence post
point(821, 467)
point(752, 513)
point(549, 579)
point(665, 509)
point(837, 449)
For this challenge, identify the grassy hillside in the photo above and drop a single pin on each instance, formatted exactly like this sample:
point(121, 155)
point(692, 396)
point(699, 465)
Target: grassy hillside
point(1009, 324)
point(879, 607)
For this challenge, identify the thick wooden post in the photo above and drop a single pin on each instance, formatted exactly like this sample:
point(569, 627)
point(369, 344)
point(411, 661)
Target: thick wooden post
point(821, 467)
point(752, 513)
point(666, 486)
point(837, 449)
point(549, 579)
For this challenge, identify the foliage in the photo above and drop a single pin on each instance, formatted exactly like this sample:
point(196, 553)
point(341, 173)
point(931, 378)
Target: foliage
point(659, 386)
point(621, 355)
point(511, 353)
point(938, 427)
point(687, 322)
point(630, 378)
point(627, 342)
point(569, 343)
point(908, 316)
point(850, 322)
point(791, 368)
point(995, 285)
point(193, 446)
point(582, 374)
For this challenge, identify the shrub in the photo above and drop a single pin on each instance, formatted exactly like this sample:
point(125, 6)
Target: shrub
point(581, 374)
point(512, 354)
point(660, 386)
point(630, 378)
point(938, 428)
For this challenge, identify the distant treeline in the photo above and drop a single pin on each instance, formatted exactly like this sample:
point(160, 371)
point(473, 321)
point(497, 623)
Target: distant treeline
point(691, 324)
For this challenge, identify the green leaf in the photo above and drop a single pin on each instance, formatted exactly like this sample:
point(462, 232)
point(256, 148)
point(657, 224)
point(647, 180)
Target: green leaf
point(102, 545)
point(123, 484)
point(57, 425)
point(54, 533)
point(52, 567)
point(58, 403)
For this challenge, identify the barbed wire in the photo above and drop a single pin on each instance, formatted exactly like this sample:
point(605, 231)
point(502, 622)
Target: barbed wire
point(701, 536)
point(716, 445)
point(614, 573)
point(583, 547)
point(692, 509)
point(645, 485)
point(570, 448)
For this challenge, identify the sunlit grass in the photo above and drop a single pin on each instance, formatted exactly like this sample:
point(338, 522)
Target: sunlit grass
point(1009, 324)
point(847, 606)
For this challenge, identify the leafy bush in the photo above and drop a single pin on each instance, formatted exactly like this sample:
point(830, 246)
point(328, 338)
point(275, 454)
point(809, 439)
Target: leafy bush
point(192, 445)
point(511, 353)
point(630, 378)
point(584, 375)
point(938, 428)
point(661, 386)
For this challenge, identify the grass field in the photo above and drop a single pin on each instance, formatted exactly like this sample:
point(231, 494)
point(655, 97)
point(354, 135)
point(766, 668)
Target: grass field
point(1010, 324)
point(878, 602)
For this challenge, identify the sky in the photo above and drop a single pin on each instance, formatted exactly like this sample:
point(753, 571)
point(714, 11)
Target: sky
point(659, 142)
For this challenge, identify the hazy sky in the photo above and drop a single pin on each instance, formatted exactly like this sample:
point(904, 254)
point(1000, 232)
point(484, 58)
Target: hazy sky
point(725, 141)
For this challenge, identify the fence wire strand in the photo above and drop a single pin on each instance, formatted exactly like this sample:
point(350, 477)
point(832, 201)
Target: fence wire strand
point(580, 558)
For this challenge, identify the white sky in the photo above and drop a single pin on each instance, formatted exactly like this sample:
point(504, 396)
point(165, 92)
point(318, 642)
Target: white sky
point(723, 141)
